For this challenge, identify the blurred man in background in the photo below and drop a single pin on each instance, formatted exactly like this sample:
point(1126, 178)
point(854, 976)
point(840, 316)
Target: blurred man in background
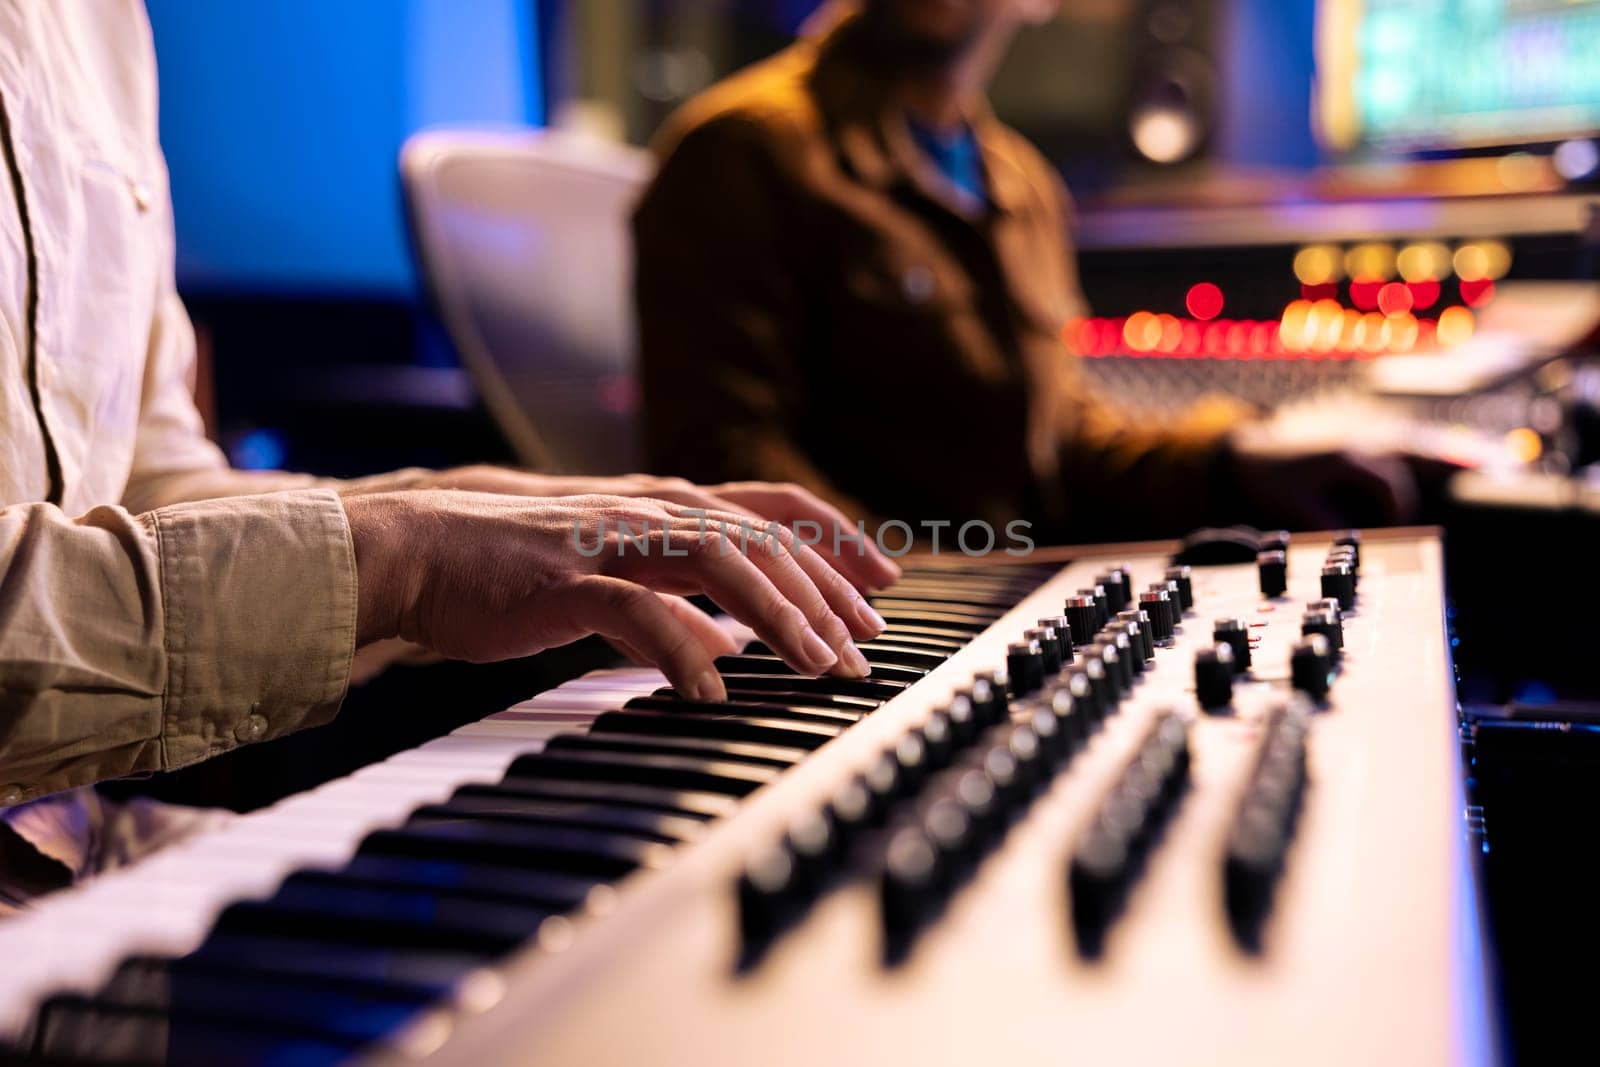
point(851, 276)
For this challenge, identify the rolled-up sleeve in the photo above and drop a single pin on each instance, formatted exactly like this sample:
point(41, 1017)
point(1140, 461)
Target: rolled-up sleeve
point(137, 643)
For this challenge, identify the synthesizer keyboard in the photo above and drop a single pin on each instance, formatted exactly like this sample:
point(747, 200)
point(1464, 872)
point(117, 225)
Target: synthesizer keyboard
point(1221, 822)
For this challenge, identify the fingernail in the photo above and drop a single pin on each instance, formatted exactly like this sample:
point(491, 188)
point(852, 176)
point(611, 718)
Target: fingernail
point(854, 663)
point(816, 650)
point(870, 619)
point(709, 687)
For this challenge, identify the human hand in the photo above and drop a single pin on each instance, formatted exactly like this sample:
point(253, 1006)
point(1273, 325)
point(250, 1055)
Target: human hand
point(790, 505)
point(482, 577)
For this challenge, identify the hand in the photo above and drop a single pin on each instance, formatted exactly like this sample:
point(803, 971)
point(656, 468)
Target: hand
point(858, 560)
point(1333, 489)
point(482, 577)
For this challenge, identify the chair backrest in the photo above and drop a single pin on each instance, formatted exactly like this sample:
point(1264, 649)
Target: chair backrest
point(522, 237)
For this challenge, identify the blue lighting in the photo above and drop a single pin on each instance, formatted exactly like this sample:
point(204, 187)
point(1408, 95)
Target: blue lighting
point(260, 450)
point(282, 123)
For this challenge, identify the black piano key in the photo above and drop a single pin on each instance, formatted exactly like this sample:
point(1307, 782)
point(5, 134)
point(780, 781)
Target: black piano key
point(200, 990)
point(671, 772)
point(700, 805)
point(728, 727)
point(947, 621)
point(892, 654)
point(737, 665)
point(438, 969)
point(901, 627)
point(823, 713)
point(396, 915)
point(887, 605)
point(480, 879)
point(75, 1029)
point(875, 688)
point(941, 647)
point(691, 747)
point(592, 853)
point(671, 829)
point(973, 602)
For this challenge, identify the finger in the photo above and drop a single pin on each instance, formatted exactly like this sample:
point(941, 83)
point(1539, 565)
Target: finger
point(825, 598)
point(712, 563)
point(718, 642)
point(631, 654)
point(838, 540)
point(638, 618)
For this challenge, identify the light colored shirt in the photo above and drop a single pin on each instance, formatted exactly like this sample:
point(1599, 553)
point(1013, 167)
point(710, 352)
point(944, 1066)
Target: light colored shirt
point(145, 624)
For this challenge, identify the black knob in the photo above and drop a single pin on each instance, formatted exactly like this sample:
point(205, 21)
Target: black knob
point(1213, 676)
point(1132, 662)
point(851, 810)
point(1095, 669)
point(1339, 583)
point(1055, 744)
point(1049, 645)
point(1086, 702)
point(963, 716)
point(1184, 576)
point(1350, 539)
point(1328, 625)
point(1083, 615)
point(911, 762)
point(881, 779)
point(1311, 667)
point(1140, 618)
point(1274, 569)
point(812, 842)
point(1025, 665)
point(769, 894)
point(1327, 603)
point(910, 881)
point(938, 740)
point(1273, 541)
point(1105, 649)
point(1174, 601)
point(1074, 724)
point(1347, 557)
point(995, 696)
point(1235, 633)
point(1063, 630)
point(1158, 604)
point(1102, 606)
point(1118, 593)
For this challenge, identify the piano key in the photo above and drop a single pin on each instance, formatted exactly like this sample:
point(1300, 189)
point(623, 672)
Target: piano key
point(660, 826)
point(700, 805)
point(928, 646)
point(673, 772)
point(79, 1030)
point(737, 665)
point(481, 879)
point(728, 727)
point(444, 970)
point(888, 605)
point(772, 756)
point(875, 688)
point(781, 703)
point(187, 989)
point(948, 621)
point(902, 627)
point(559, 850)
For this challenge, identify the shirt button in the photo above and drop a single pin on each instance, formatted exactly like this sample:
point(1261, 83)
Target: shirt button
point(251, 728)
point(141, 196)
point(917, 283)
point(9, 795)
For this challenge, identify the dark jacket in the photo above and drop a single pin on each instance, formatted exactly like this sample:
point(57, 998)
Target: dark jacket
point(818, 304)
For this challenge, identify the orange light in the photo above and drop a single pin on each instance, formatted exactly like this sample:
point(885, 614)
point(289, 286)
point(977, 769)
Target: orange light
point(1394, 299)
point(1204, 301)
point(1456, 325)
point(1294, 327)
point(1374, 333)
point(1171, 333)
point(1403, 332)
point(1524, 445)
point(1141, 332)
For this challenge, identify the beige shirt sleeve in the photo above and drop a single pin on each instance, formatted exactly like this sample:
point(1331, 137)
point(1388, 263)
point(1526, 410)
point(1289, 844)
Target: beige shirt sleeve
point(137, 643)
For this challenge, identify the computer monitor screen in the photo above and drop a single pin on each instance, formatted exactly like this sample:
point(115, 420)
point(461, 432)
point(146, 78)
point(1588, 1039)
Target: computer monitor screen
point(1457, 73)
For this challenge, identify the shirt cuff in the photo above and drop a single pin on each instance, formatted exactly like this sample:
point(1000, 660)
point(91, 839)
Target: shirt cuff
point(260, 618)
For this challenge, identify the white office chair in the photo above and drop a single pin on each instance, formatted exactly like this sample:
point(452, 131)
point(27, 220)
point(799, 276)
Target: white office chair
point(522, 237)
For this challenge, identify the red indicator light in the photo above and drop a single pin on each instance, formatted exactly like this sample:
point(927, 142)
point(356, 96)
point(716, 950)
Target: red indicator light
point(1424, 294)
point(1394, 299)
point(1204, 301)
point(1364, 293)
point(1314, 293)
point(1477, 294)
